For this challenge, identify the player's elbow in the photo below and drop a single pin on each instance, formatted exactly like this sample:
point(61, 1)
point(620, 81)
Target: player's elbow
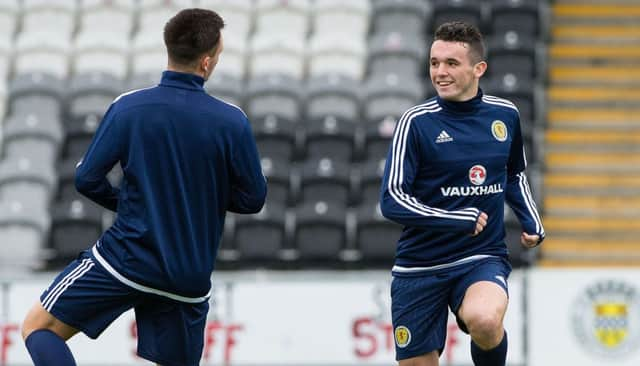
point(83, 185)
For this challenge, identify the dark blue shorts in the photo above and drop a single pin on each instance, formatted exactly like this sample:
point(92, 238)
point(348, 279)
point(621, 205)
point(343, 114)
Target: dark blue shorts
point(86, 297)
point(419, 303)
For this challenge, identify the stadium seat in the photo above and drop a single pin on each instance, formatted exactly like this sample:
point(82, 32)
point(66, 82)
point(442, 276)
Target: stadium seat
point(282, 17)
point(102, 52)
point(325, 180)
point(332, 53)
point(278, 174)
point(276, 138)
point(517, 16)
point(370, 179)
point(469, 11)
point(320, 233)
point(346, 17)
point(42, 52)
point(378, 137)
point(273, 53)
point(98, 16)
point(22, 231)
point(235, 57)
point(390, 95)
point(32, 137)
point(407, 17)
point(274, 95)
point(29, 181)
point(36, 93)
point(260, 238)
point(78, 135)
point(376, 237)
point(148, 55)
point(9, 19)
point(45, 15)
point(227, 87)
point(237, 15)
point(330, 138)
point(66, 189)
point(511, 53)
point(75, 226)
point(520, 91)
point(92, 93)
point(153, 14)
point(333, 95)
point(395, 52)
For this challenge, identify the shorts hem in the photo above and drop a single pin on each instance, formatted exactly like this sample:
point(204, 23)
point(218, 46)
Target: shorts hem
point(63, 318)
point(418, 353)
point(158, 360)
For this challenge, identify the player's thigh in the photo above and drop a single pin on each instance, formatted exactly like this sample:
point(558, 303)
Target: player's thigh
point(419, 314)
point(430, 359)
point(482, 292)
point(171, 332)
point(39, 318)
point(83, 297)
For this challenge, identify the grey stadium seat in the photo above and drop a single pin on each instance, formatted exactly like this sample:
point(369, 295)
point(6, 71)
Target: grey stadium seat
point(22, 231)
point(520, 16)
point(226, 87)
point(37, 93)
point(376, 237)
point(390, 95)
point(405, 16)
point(31, 136)
point(396, 52)
point(260, 238)
point(320, 233)
point(275, 95)
point(92, 93)
point(468, 11)
point(333, 95)
point(325, 180)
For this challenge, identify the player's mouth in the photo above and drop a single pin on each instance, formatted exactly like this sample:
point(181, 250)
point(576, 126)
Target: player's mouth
point(444, 83)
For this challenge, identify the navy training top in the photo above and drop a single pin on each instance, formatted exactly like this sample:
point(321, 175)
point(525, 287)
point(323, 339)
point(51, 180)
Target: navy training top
point(187, 158)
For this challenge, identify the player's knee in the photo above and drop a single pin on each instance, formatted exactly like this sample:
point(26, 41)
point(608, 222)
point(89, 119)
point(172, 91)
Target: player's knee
point(486, 325)
point(36, 319)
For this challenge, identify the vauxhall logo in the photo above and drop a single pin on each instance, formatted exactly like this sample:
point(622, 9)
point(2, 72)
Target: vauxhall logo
point(477, 176)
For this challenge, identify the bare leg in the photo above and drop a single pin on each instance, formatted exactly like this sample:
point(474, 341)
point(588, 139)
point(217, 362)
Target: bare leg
point(430, 359)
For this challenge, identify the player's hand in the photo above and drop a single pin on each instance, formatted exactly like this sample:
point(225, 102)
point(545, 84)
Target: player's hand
point(529, 241)
point(480, 223)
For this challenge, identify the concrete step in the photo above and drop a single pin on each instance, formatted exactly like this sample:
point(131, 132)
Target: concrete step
point(593, 162)
point(595, 75)
point(594, 118)
point(596, 33)
point(572, 96)
point(596, 227)
point(567, 140)
point(569, 53)
point(577, 181)
point(600, 10)
point(587, 263)
point(591, 205)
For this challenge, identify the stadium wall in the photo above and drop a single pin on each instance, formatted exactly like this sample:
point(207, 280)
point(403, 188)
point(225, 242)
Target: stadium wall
point(555, 317)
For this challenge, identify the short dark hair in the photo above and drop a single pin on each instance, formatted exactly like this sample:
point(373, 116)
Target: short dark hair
point(192, 33)
point(462, 32)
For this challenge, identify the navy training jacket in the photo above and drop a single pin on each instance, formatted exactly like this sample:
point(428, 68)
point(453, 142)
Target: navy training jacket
point(187, 158)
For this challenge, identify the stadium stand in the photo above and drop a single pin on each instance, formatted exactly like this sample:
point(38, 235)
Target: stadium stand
point(591, 178)
point(323, 108)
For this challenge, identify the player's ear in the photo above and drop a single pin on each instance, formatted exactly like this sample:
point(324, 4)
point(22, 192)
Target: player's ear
point(480, 68)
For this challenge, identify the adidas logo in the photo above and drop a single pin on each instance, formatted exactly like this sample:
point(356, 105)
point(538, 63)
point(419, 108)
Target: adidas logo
point(443, 137)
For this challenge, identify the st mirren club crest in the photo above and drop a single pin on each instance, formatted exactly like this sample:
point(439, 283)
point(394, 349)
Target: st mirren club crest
point(477, 175)
point(606, 319)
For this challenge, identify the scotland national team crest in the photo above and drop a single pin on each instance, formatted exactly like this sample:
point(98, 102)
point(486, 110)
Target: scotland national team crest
point(402, 336)
point(477, 174)
point(606, 319)
point(499, 130)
